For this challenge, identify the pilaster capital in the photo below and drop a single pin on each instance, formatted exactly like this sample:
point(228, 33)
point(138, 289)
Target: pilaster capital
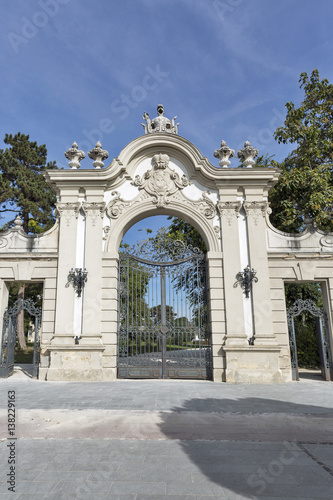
point(93, 210)
point(255, 209)
point(229, 209)
point(68, 211)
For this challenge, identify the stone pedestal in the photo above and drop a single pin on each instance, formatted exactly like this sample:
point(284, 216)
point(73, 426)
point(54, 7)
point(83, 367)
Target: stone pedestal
point(252, 364)
point(79, 363)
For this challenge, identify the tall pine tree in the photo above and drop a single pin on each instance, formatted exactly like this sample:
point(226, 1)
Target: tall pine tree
point(23, 189)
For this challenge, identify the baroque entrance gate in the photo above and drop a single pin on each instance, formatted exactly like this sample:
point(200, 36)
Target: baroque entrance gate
point(163, 329)
point(9, 331)
point(322, 334)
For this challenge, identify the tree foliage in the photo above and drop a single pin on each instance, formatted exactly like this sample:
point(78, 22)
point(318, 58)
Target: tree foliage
point(305, 188)
point(184, 231)
point(23, 189)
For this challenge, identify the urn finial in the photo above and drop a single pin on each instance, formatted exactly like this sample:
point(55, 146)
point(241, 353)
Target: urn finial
point(247, 155)
point(75, 155)
point(224, 153)
point(98, 155)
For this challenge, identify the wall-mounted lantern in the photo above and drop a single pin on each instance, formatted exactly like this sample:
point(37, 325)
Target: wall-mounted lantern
point(245, 279)
point(78, 277)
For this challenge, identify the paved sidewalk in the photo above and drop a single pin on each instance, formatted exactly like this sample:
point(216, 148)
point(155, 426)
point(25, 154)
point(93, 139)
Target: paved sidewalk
point(167, 439)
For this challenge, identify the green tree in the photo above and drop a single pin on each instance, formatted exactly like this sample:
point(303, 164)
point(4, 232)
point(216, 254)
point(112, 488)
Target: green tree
point(184, 231)
point(23, 189)
point(156, 313)
point(305, 188)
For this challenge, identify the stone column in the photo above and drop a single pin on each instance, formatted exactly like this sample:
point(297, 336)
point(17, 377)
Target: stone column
point(235, 325)
point(261, 295)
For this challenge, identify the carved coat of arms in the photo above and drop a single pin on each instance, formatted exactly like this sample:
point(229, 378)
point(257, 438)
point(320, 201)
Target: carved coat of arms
point(161, 181)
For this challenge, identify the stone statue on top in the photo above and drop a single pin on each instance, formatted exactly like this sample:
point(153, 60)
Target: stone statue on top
point(160, 124)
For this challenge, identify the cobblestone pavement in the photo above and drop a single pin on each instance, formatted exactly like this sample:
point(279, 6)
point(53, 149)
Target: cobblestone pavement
point(167, 440)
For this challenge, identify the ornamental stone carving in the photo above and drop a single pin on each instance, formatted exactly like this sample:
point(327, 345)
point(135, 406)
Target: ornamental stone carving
point(98, 155)
point(68, 211)
point(247, 155)
point(229, 210)
point(106, 230)
point(224, 153)
point(206, 206)
point(3, 242)
point(93, 211)
point(75, 155)
point(160, 124)
point(327, 241)
point(161, 181)
point(257, 209)
point(116, 206)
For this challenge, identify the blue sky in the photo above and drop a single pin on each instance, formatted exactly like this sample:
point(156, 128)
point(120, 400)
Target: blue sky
point(82, 70)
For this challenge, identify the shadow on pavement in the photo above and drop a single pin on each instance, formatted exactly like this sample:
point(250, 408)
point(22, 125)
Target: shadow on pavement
point(249, 467)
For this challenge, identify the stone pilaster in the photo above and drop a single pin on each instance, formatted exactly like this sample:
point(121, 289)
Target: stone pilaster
point(261, 295)
point(91, 320)
point(64, 318)
point(235, 329)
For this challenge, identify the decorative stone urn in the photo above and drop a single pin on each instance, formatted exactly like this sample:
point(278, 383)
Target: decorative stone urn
point(224, 153)
point(98, 155)
point(75, 155)
point(247, 155)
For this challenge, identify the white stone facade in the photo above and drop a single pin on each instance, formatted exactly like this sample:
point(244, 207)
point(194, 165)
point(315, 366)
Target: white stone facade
point(165, 174)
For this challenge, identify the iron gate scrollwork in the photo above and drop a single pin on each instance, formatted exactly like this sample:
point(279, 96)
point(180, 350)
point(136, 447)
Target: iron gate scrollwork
point(322, 332)
point(9, 331)
point(163, 329)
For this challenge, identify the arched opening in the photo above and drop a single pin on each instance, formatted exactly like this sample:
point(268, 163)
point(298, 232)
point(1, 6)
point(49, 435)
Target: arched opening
point(145, 211)
point(163, 327)
point(309, 336)
point(21, 322)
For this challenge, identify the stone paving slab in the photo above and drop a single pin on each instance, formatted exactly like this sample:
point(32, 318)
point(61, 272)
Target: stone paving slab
point(172, 395)
point(158, 440)
point(197, 474)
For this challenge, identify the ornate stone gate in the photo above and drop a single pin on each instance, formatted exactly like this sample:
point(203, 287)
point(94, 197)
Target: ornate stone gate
point(162, 173)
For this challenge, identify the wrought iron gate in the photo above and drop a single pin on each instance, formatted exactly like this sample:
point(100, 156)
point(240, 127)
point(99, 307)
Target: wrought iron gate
point(322, 334)
point(9, 330)
point(163, 329)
